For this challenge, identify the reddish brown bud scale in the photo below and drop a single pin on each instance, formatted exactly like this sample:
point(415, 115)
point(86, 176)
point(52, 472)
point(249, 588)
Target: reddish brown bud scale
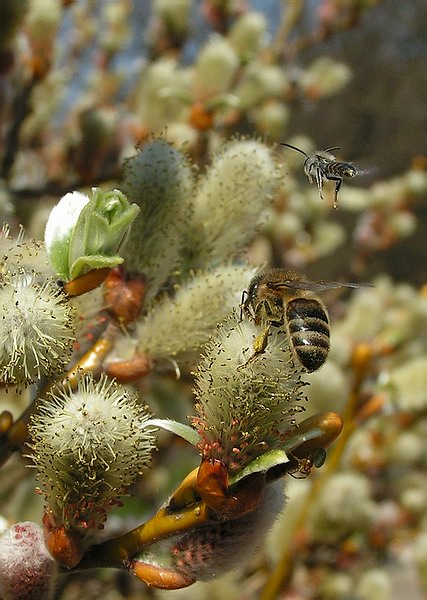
point(212, 483)
point(362, 356)
point(65, 546)
point(372, 407)
point(6, 421)
point(231, 502)
point(133, 369)
point(86, 283)
point(200, 118)
point(160, 577)
point(124, 298)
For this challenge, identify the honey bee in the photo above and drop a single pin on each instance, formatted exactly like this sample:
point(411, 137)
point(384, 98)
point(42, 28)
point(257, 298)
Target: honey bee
point(323, 165)
point(277, 297)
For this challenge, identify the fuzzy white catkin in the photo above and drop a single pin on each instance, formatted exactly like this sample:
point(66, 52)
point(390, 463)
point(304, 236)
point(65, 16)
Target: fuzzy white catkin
point(271, 119)
point(230, 202)
point(160, 180)
point(260, 82)
point(176, 327)
point(27, 570)
point(374, 584)
point(408, 383)
point(36, 329)
point(242, 407)
point(420, 557)
point(208, 551)
point(214, 70)
point(344, 505)
point(247, 34)
point(43, 19)
point(88, 446)
point(175, 14)
point(325, 77)
point(19, 255)
point(280, 535)
point(155, 106)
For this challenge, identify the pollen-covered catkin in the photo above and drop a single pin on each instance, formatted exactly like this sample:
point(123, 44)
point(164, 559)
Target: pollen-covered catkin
point(89, 446)
point(243, 407)
point(36, 329)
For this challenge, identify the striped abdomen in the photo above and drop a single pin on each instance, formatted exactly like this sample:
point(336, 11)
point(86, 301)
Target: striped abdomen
point(339, 169)
point(308, 328)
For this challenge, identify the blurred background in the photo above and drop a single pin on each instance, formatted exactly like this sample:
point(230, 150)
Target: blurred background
point(83, 82)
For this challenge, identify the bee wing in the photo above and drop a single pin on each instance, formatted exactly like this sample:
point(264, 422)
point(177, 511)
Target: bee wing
point(365, 170)
point(316, 286)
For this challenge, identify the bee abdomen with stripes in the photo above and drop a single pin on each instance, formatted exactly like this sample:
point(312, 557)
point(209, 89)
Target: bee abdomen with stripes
point(309, 332)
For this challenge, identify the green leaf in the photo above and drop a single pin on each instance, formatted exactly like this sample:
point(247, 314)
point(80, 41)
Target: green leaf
point(185, 431)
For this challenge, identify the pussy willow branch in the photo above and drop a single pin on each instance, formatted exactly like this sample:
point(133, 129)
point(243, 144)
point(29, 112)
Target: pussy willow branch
point(185, 511)
point(118, 552)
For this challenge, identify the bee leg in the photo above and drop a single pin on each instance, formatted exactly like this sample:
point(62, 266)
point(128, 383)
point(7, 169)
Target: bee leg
point(260, 344)
point(243, 306)
point(338, 182)
point(319, 181)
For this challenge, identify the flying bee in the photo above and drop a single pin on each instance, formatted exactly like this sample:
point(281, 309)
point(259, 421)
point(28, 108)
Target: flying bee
point(323, 165)
point(280, 298)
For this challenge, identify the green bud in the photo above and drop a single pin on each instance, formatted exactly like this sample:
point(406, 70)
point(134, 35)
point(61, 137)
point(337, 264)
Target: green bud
point(84, 234)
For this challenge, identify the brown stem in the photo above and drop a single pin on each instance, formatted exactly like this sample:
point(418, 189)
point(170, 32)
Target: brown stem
point(91, 362)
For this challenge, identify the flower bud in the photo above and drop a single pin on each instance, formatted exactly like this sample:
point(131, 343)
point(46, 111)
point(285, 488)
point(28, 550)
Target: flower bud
point(84, 234)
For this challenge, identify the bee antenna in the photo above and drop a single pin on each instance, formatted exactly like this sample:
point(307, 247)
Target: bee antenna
point(295, 148)
point(334, 148)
